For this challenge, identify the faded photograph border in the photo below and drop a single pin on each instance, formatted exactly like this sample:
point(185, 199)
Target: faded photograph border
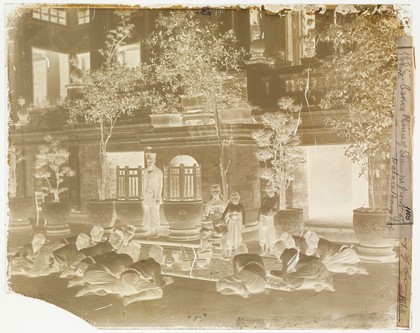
point(48, 317)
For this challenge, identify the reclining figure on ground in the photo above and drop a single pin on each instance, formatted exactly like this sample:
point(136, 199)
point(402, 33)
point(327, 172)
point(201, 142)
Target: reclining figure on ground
point(141, 281)
point(338, 258)
point(96, 235)
point(105, 267)
point(42, 257)
point(119, 241)
point(249, 275)
point(299, 271)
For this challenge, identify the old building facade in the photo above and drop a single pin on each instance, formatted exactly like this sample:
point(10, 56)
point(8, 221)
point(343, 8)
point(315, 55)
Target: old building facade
point(43, 41)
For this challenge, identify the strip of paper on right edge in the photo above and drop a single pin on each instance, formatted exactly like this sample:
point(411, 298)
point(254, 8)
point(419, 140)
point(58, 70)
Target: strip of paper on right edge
point(400, 205)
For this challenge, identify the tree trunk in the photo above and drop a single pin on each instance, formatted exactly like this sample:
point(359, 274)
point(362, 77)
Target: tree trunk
point(104, 172)
point(371, 183)
point(222, 163)
point(282, 200)
point(372, 199)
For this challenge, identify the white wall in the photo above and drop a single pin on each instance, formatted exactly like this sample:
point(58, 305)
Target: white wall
point(334, 186)
point(131, 159)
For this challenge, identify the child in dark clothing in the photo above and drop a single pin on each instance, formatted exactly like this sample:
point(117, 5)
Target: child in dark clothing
point(233, 217)
point(266, 230)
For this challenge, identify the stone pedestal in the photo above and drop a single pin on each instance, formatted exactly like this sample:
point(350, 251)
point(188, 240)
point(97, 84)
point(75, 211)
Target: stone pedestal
point(183, 235)
point(20, 209)
point(142, 231)
point(57, 230)
point(20, 226)
point(380, 255)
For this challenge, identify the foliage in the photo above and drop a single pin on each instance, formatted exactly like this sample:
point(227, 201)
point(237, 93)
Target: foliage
point(50, 165)
point(277, 143)
point(364, 69)
point(191, 57)
point(109, 92)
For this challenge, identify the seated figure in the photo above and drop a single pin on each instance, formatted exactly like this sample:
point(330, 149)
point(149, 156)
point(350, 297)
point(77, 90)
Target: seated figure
point(300, 271)
point(212, 213)
point(140, 281)
point(338, 258)
point(249, 276)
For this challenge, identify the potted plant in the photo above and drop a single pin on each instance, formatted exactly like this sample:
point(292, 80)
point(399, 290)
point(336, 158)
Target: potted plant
point(164, 108)
point(277, 148)
point(234, 106)
point(108, 93)
point(189, 58)
point(194, 110)
point(20, 207)
point(51, 166)
point(365, 61)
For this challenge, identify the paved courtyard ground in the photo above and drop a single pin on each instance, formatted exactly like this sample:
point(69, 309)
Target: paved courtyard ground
point(358, 302)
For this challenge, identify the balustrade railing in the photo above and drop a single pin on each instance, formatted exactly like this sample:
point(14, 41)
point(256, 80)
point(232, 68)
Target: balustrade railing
point(129, 183)
point(182, 183)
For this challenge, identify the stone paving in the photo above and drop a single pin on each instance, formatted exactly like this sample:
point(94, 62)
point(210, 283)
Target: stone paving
point(192, 302)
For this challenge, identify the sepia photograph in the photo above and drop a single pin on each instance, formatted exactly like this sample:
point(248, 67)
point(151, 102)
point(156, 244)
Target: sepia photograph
point(211, 167)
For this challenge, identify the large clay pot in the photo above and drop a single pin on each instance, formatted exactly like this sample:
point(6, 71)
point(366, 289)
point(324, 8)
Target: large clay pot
point(257, 48)
point(370, 228)
point(235, 115)
point(131, 212)
point(289, 220)
point(57, 215)
point(101, 212)
point(20, 210)
point(183, 218)
point(164, 120)
point(23, 114)
point(375, 243)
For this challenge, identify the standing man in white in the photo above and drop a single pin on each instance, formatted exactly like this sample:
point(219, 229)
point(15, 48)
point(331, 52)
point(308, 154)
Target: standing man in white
point(152, 193)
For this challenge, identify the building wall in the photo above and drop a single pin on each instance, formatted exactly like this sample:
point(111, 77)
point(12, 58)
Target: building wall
point(242, 175)
point(297, 194)
point(89, 172)
point(335, 188)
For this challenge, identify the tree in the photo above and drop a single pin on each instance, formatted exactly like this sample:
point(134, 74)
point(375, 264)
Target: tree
point(363, 69)
point(192, 57)
point(277, 147)
point(109, 93)
point(50, 165)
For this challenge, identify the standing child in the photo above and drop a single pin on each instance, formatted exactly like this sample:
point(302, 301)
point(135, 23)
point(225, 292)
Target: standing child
point(266, 231)
point(234, 215)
